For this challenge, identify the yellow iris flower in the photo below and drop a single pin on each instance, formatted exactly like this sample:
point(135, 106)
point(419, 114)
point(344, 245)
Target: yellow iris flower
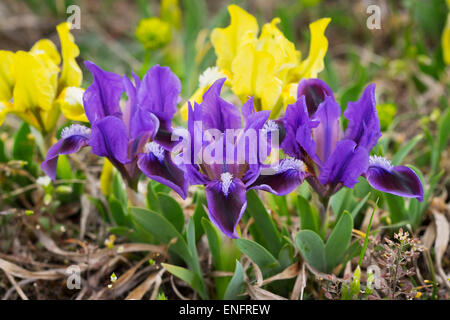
point(267, 66)
point(446, 38)
point(34, 84)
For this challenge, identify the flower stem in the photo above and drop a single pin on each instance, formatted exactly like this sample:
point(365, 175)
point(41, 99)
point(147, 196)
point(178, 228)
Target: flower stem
point(325, 214)
point(133, 197)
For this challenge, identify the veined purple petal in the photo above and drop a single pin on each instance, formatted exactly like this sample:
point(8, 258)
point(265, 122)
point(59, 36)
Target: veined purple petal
point(143, 121)
point(131, 105)
point(159, 92)
point(137, 81)
point(218, 113)
point(345, 165)
point(194, 176)
point(195, 129)
point(156, 163)
point(287, 176)
point(248, 109)
point(315, 91)
point(164, 135)
point(363, 123)
point(227, 202)
point(328, 132)
point(298, 128)
point(73, 138)
point(102, 97)
point(257, 126)
point(109, 139)
point(399, 180)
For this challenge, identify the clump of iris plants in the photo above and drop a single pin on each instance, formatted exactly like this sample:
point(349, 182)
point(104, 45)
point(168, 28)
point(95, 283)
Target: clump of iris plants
point(250, 185)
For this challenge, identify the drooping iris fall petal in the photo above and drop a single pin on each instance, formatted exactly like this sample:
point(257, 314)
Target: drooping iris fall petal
point(345, 165)
point(73, 138)
point(156, 163)
point(287, 176)
point(226, 203)
point(398, 180)
point(109, 139)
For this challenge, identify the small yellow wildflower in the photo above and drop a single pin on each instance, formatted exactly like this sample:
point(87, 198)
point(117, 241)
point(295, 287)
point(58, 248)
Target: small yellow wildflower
point(110, 241)
point(153, 33)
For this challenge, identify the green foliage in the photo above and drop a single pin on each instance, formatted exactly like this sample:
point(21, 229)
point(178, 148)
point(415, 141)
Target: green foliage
point(309, 219)
point(324, 257)
point(266, 226)
point(259, 255)
point(236, 285)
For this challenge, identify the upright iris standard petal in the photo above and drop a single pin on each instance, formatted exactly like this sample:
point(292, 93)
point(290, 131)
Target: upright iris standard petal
point(328, 132)
point(159, 92)
point(156, 163)
point(73, 138)
point(363, 123)
point(398, 180)
point(315, 92)
point(287, 176)
point(102, 97)
point(218, 113)
point(311, 66)
point(227, 202)
point(109, 139)
point(298, 128)
point(256, 127)
point(345, 165)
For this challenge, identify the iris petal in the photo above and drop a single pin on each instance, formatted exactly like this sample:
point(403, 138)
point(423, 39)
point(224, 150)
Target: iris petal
point(159, 92)
point(398, 180)
point(161, 168)
point(225, 211)
point(73, 139)
point(102, 97)
point(315, 92)
point(328, 132)
point(289, 174)
point(363, 123)
point(218, 113)
point(345, 165)
point(109, 139)
point(298, 130)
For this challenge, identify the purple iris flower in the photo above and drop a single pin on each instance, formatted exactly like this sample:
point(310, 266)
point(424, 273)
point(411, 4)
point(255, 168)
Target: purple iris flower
point(136, 139)
point(229, 175)
point(335, 158)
